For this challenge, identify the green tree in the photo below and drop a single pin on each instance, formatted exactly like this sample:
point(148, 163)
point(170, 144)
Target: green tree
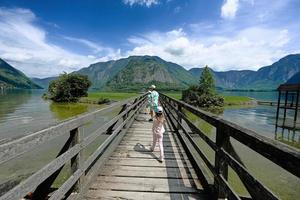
point(203, 95)
point(68, 87)
point(207, 82)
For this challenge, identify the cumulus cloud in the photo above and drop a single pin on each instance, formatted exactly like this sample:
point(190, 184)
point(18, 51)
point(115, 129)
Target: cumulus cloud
point(229, 9)
point(249, 48)
point(25, 45)
point(147, 3)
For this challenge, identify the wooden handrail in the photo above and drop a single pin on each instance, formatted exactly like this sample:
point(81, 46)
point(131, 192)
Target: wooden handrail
point(22, 145)
point(285, 156)
point(81, 170)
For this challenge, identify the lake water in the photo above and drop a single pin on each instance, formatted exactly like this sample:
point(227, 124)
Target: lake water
point(262, 119)
point(24, 112)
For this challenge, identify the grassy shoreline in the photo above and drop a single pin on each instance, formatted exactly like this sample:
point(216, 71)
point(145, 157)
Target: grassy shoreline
point(106, 97)
point(228, 100)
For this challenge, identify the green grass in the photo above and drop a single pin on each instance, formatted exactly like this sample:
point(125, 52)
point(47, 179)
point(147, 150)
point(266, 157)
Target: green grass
point(228, 100)
point(116, 96)
point(175, 95)
point(236, 100)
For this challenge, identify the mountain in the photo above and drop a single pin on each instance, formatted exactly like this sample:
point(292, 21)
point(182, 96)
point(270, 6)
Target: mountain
point(13, 78)
point(137, 72)
point(295, 79)
point(268, 77)
point(43, 82)
point(141, 71)
point(99, 73)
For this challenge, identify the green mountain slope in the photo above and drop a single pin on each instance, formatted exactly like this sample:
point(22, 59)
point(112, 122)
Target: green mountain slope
point(269, 77)
point(141, 71)
point(13, 78)
point(99, 73)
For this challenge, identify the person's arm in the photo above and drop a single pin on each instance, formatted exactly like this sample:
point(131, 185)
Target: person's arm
point(149, 98)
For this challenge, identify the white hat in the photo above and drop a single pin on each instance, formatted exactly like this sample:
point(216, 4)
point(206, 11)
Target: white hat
point(152, 86)
point(159, 109)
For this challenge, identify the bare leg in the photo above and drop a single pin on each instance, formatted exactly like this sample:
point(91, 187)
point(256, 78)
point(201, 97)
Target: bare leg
point(161, 148)
point(151, 113)
point(153, 142)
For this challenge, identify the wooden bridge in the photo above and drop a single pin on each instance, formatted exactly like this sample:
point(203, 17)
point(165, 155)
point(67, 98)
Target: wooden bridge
point(122, 167)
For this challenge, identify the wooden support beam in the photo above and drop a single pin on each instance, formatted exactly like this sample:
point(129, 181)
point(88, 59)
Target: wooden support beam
point(285, 104)
point(221, 166)
point(278, 107)
point(77, 161)
point(42, 191)
point(297, 105)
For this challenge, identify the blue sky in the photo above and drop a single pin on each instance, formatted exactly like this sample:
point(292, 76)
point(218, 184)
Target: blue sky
point(45, 38)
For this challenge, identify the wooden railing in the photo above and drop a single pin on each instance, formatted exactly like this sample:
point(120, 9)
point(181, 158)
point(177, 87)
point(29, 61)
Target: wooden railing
point(39, 184)
point(225, 156)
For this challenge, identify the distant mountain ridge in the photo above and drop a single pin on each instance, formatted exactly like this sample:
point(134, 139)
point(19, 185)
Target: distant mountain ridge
point(43, 82)
point(268, 77)
point(13, 78)
point(136, 72)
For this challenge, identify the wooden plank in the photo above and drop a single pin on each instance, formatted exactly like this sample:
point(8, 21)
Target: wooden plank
point(163, 182)
point(145, 138)
point(109, 195)
point(147, 162)
point(148, 143)
point(149, 155)
point(145, 148)
point(133, 169)
point(146, 184)
point(149, 172)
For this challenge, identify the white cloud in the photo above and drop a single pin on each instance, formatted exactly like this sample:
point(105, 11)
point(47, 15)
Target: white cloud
point(147, 3)
point(95, 47)
point(25, 45)
point(249, 48)
point(229, 9)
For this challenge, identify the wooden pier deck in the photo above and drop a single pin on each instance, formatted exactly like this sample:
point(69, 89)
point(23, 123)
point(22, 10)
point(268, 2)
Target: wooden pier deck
point(133, 172)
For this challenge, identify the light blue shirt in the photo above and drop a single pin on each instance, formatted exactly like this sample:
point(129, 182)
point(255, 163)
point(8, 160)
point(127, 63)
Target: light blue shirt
point(154, 98)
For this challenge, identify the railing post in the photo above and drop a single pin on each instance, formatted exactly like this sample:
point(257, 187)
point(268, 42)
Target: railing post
point(179, 108)
point(77, 161)
point(110, 129)
point(221, 166)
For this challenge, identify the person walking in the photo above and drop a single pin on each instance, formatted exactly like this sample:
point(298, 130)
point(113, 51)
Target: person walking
point(153, 97)
point(158, 130)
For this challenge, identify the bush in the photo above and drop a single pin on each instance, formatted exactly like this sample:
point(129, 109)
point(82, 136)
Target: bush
point(103, 100)
point(68, 88)
point(194, 97)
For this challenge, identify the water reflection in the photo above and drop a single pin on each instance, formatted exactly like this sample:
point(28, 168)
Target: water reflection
point(10, 101)
point(62, 111)
point(262, 119)
point(23, 112)
point(287, 136)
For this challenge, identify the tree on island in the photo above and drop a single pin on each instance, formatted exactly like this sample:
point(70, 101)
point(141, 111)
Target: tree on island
point(68, 88)
point(203, 95)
